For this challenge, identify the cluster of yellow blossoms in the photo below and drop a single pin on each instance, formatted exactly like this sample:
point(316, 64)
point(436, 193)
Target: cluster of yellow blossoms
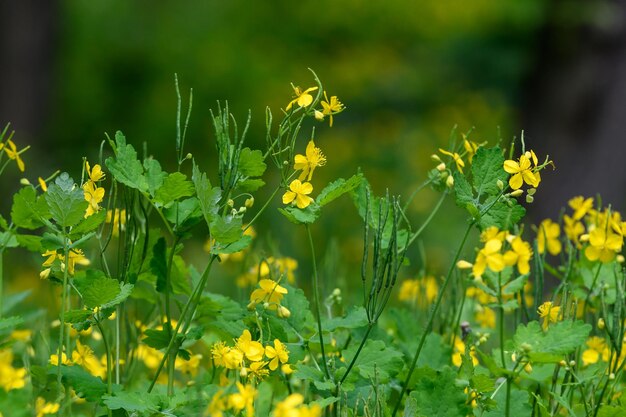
point(75, 257)
point(93, 193)
point(303, 99)
point(491, 256)
point(293, 406)
point(10, 377)
point(298, 193)
point(253, 360)
point(421, 292)
point(82, 355)
point(469, 150)
point(270, 294)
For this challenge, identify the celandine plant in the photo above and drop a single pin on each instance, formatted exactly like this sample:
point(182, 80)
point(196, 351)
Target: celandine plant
point(138, 334)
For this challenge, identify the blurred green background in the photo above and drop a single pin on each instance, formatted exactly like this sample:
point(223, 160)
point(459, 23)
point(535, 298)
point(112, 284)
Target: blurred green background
point(408, 72)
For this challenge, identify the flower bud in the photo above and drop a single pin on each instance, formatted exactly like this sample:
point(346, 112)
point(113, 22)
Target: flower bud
point(601, 324)
point(441, 167)
point(24, 181)
point(530, 199)
point(242, 210)
point(463, 264)
point(531, 191)
point(528, 368)
point(516, 193)
point(249, 202)
point(620, 258)
point(188, 156)
point(243, 372)
point(450, 181)
point(500, 184)
point(611, 376)
point(526, 347)
point(283, 312)
point(230, 203)
point(562, 363)
point(435, 157)
point(572, 363)
point(319, 115)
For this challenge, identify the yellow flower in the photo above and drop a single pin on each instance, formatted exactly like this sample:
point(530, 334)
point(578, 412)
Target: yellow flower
point(458, 352)
point(269, 292)
point(149, 356)
point(299, 194)
point(548, 235)
point(596, 346)
point(42, 407)
point(470, 148)
point(486, 317)
point(519, 254)
point(307, 163)
point(11, 150)
point(188, 366)
point(289, 406)
point(331, 107)
point(83, 356)
point(94, 195)
point(277, 354)
point(457, 159)
point(581, 206)
point(54, 359)
point(257, 371)
point(217, 406)
point(549, 313)
point(286, 266)
point(303, 98)
point(489, 256)
point(10, 377)
point(251, 348)
point(573, 229)
point(118, 217)
point(42, 184)
point(96, 174)
point(603, 245)
point(492, 232)
point(243, 399)
point(521, 171)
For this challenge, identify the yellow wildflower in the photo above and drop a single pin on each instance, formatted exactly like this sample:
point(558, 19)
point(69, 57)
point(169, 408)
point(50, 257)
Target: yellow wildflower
point(303, 98)
point(83, 356)
point(54, 359)
point(593, 354)
point(573, 229)
point(11, 150)
point(257, 371)
point(10, 377)
point(42, 184)
point(489, 256)
point(522, 171)
point(492, 232)
point(268, 292)
point(331, 107)
point(470, 148)
point(298, 194)
point(312, 159)
point(549, 313)
point(277, 354)
point(217, 406)
point(293, 406)
point(519, 255)
point(548, 236)
point(243, 399)
point(96, 174)
point(252, 349)
point(42, 407)
point(188, 366)
point(581, 206)
point(94, 195)
point(458, 352)
point(457, 159)
point(603, 245)
point(149, 356)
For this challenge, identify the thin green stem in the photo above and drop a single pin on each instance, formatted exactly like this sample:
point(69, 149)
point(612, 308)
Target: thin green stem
point(262, 209)
point(317, 302)
point(195, 296)
point(431, 318)
point(428, 219)
point(66, 252)
point(356, 355)
point(107, 352)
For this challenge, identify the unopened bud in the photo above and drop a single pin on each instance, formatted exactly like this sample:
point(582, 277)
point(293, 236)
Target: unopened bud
point(562, 363)
point(230, 203)
point(319, 115)
point(450, 181)
point(233, 212)
point(242, 210)
point(336, 292)
point(516, 193)
point(620, 258)
point(441, 167)
point(283, 312)
point(572, 363)
point(601, 324)
point(611, 376)
point(435, 157)
point(189, 156)
point(464, 264)
point(285, 163)
point(249, 202)
point(531, 191)
point(526, 347)
point(528, 368)
point(24, 181)
point(243, 372)
point(530, 199)
point(500, 184)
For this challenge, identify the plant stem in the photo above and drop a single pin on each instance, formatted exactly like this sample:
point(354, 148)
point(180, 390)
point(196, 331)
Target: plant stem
point(262, 209)
point(317, 301)
point(66, 252)
point(428, 219)
point(431, 318)
point(370, 326)
point(107, 352)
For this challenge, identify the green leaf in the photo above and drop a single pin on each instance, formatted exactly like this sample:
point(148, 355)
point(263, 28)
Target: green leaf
point(154, 175)
point(184, 214)
point(251, 163)
point(88, 224)
point(502, 215)
point(356, 318)
point(301, 317)
point(132, 402)
point(338, 188)
point(97, 290)
point(515, 286)
point(482, 383)
point(375, 360)
point(487, 169)
point(559, 339)
point(226, 229)
point(158, 339)
point(234, 247)
point(51, 241)
point(30, 242)
point(436, 394)
point(66, 201)
point(8, 324)
point(301, 216)
point(208, 197)
point(28, 209)
point(77, 316)
point(175, 186)
point(462, 190)
point(125, 166)
point(8, 240)
point(86, 385)
point(250, 185)
point(612, 411)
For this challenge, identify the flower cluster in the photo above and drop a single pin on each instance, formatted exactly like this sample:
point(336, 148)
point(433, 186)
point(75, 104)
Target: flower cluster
point(293, 406)
point(10, 377)
point(419, 291)
point(299, 191)
point(237, 401)
point(74, 257)
point(93, 193)
point(444, 173)
point(270, 294)
point(253, 360)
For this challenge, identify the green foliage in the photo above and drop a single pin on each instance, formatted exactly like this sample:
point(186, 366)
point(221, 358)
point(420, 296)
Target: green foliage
point(174, 187)
point(66, 201)
point(28, 210)
point(97, 290)
point(338, 188)
point(376, 360)
point(436, 394)
point(126, 168)
point(551, 345)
